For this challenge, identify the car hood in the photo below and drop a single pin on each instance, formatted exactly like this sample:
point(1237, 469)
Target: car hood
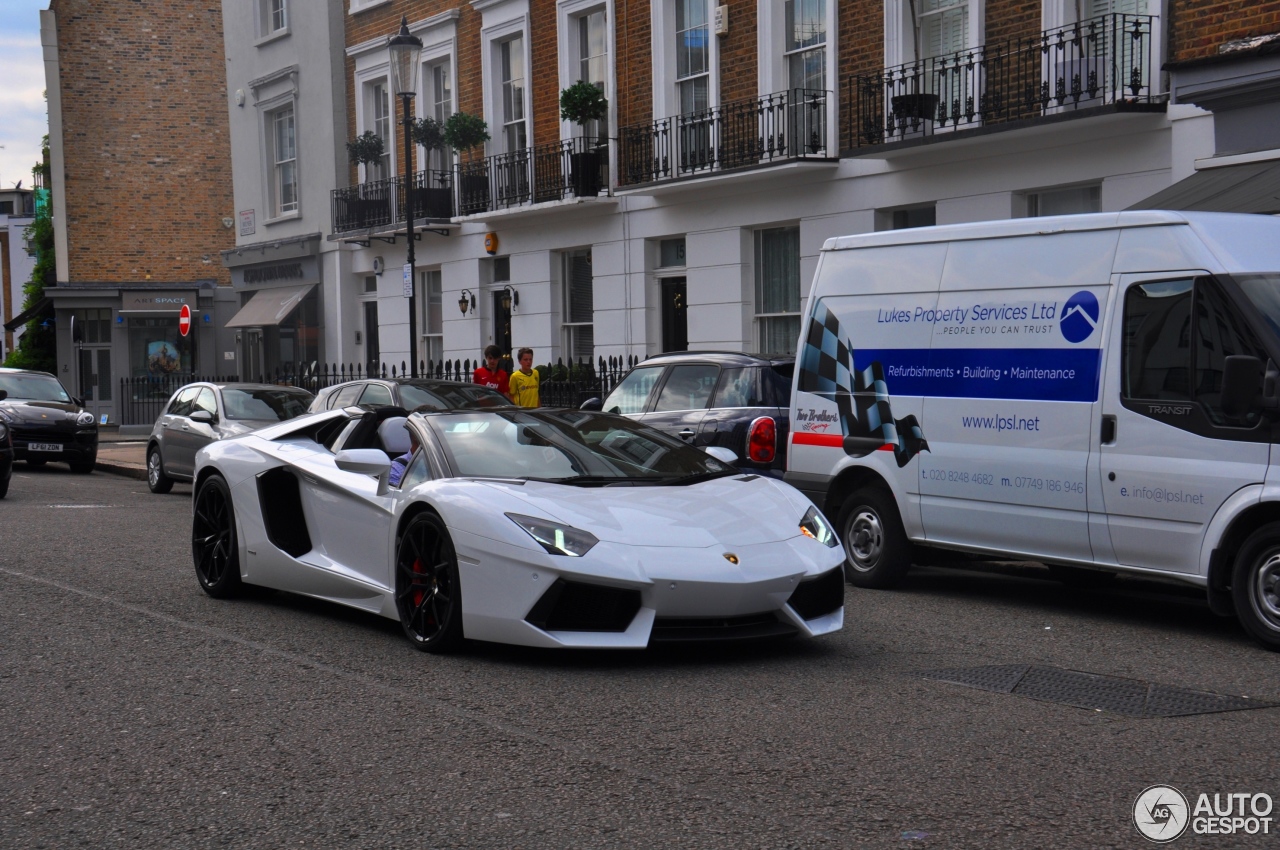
point(739, 510)
point(40, 411)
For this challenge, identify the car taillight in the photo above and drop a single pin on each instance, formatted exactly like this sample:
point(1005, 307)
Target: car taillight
point(762, 440)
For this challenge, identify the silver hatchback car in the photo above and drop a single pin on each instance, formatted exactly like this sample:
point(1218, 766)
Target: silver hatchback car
point(201, 413)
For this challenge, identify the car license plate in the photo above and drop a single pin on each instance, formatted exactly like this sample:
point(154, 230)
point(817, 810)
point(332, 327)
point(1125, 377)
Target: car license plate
point(44, 447)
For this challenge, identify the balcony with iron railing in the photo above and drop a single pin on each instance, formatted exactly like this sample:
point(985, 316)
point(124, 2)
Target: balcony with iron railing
point(776, 128)
point(569, 169)
point(1102, 64)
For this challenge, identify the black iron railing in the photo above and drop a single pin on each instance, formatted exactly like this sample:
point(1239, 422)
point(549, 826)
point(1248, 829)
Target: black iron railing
point(143, 399)
point(574, 167)
point(782, 126)
point(1101, 61)
point(365, 206)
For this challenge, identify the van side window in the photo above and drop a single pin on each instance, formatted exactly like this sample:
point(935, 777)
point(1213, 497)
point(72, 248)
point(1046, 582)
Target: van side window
point(1157, 350)
point(1220, 331)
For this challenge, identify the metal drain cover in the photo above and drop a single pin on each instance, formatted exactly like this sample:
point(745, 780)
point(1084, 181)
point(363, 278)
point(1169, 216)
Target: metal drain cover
point(1130, 697)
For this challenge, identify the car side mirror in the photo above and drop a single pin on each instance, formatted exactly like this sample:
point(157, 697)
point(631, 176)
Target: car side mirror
point(202, 416)
point(4, 394)
point(720, 453)
point(1241, 384)
point(372, 462)
point(592, 404)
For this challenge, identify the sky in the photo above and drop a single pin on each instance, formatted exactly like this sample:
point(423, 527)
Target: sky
point(23, 118)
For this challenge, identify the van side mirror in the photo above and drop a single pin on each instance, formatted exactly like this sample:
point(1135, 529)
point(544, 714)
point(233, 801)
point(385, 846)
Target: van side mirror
point(1241, 384)
point(592, 404)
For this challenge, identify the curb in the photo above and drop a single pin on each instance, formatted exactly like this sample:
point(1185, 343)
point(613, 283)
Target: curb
point(121, 469)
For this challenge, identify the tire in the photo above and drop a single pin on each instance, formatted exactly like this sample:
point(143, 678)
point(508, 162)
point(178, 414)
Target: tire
point(1255, 585)
point(214, 547)
point(876, 550)
point(156, 479)
point(1081, 578)
point(36, 461)
point(84, 468)
point(4, 488)
point(428, 593)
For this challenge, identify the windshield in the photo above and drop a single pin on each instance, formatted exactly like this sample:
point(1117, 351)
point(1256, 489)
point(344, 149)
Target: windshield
point(451, 397)
point(33, 388)
point(1263, 291)
point(571, 447)
point(270, 404)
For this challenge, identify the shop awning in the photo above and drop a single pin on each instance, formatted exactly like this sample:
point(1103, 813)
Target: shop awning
point(269, 307)
point(41, 306)
point(1249, 187)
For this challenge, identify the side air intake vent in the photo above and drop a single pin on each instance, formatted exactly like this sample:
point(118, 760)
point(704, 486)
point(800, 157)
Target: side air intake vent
point(819, 595)
point(282, 512)
point(572, 606)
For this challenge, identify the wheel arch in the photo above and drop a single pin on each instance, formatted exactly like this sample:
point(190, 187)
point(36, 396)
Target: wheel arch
point(850, 480)
point(410, 512)
point(1222, 558)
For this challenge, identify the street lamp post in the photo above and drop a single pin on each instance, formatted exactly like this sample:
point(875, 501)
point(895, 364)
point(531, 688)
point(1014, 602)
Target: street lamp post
point(406, 51)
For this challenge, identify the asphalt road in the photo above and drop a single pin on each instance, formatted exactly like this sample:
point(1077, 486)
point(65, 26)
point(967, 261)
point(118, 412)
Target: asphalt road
point(137, 712)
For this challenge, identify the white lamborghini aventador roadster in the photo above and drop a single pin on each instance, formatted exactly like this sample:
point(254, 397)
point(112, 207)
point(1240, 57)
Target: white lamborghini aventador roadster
point(552, 528)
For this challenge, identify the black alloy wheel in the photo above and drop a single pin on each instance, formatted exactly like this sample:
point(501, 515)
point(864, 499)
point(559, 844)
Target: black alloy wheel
point(156, 479)
point(428, 596)
point(213, 540)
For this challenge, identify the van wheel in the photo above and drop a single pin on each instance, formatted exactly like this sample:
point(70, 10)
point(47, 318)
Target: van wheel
point(876, 550)
point(1255, 585)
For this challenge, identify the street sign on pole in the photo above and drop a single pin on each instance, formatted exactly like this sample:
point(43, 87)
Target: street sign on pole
point(408, 280)
point(184, 320)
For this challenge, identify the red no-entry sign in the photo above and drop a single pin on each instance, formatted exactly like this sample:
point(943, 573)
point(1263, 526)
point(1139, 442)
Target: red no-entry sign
point(184, 320)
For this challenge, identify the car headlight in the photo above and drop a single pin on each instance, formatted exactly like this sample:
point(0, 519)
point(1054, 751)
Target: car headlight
point(84, 418)
point(815, 525)
point(556, 538)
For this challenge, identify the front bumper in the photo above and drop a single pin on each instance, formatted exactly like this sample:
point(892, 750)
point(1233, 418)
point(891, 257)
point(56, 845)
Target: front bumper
point(78, 444)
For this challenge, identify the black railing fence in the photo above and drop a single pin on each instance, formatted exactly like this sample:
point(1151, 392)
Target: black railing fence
point(1096, 62)
point(553, 172)
point(780, 126)
point(562, 385)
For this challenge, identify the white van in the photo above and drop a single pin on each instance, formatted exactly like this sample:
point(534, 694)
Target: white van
point(1094, 392)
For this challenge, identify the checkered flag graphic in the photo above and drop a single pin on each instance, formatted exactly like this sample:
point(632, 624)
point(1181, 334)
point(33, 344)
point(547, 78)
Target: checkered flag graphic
point(861, 398)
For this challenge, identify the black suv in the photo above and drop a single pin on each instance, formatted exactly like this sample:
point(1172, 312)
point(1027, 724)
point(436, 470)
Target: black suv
point(45, 422)
point(713, 398)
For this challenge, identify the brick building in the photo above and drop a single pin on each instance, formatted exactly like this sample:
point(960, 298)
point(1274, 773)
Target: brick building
point(142, 180)
point(739, 137)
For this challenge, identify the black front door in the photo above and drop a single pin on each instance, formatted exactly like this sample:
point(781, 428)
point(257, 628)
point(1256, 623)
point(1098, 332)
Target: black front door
point(373, 349)
point(502, 323)
point(675, 324)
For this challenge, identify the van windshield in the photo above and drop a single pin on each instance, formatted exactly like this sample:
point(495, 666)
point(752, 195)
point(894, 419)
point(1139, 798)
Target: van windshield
point(1263, 292)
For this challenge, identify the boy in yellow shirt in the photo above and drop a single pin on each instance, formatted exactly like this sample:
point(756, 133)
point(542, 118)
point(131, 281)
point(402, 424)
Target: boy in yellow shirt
point(524, 381)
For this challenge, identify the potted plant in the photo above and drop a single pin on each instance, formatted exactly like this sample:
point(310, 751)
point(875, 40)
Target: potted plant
point(367, 149)
point(433, 199)
point(581, 103)
point(464, 132)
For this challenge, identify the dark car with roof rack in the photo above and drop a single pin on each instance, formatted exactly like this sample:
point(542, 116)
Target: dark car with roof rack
point(713, 398)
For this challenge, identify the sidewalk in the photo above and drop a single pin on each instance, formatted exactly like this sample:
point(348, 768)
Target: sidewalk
point(119, 455)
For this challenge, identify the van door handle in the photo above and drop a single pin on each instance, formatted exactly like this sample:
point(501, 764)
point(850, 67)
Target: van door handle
point(686, 434)
point(1108, 428)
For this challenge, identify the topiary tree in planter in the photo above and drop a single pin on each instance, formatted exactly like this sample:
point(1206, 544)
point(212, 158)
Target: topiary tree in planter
point(582, 103)
point(368, 209)
point(433, 200)
point(464, 132)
